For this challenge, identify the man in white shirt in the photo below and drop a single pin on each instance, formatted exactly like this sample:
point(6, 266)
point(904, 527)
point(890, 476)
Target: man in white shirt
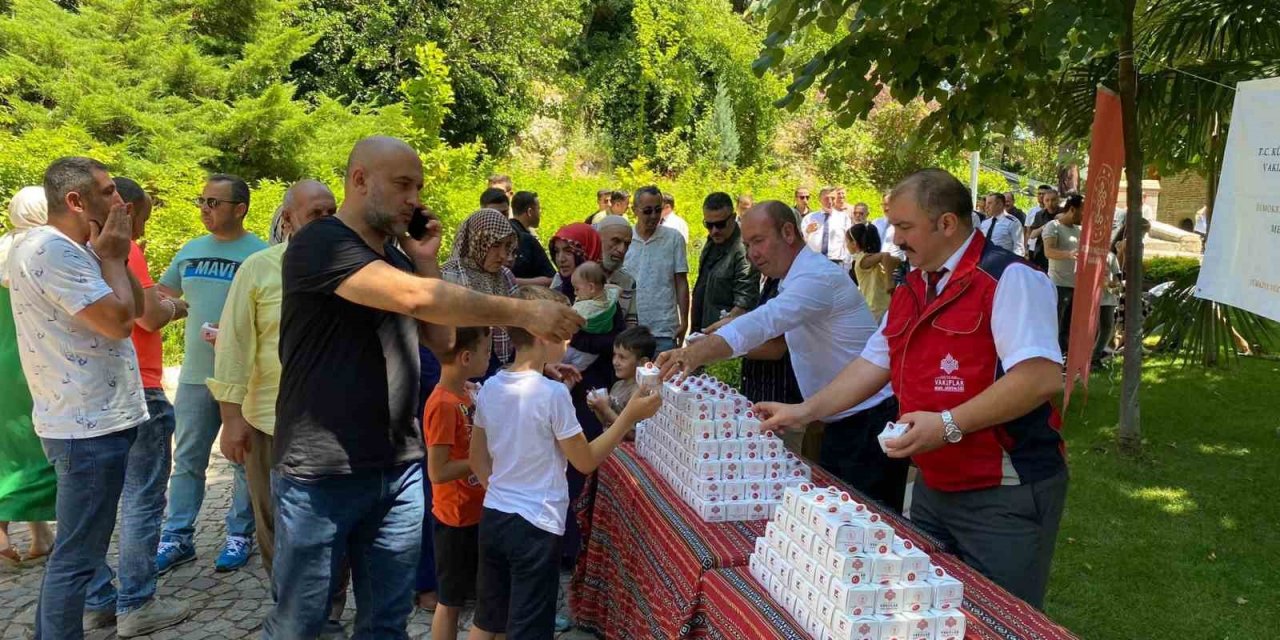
point(826, 323)
point(860, 213)
point(74, 306)
point(658, 262)
point(672, 219)
point(824, 230)
point(975, 366)
point(1002, 228)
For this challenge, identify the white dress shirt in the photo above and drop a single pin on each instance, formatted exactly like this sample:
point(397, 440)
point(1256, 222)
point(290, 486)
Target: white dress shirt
point(1004, 230)
point(825, 321)
point(1024, 317)
point(836, 226)
point(674, 221)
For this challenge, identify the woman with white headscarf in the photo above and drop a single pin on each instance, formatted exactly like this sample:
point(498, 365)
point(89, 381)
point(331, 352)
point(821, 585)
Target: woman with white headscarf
point(28, 485)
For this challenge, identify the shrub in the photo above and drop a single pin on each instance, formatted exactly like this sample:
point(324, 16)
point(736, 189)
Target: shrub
point(1164, 269)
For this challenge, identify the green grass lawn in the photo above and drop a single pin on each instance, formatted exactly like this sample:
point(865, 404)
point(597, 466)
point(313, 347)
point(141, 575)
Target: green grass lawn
point(1184, 541)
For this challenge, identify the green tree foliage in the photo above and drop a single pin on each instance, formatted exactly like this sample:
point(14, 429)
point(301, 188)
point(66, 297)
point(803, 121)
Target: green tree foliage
point(652, 70)
point(498, 54)
point(140, 85)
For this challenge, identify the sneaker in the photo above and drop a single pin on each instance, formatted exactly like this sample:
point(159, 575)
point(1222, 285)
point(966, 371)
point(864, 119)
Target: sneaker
point(563, 623)
point(100, 619)
point(235, 554)
point(173, 553)
point(333, 631)
point(153, 616)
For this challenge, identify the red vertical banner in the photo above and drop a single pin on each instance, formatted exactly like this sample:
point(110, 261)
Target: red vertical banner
point(1106, 162)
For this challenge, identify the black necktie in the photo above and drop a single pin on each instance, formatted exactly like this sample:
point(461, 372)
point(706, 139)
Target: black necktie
point(931, 280)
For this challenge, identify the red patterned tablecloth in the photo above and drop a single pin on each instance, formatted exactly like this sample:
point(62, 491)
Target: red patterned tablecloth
point(733, 606)
point(994, 614)
point(646, 550)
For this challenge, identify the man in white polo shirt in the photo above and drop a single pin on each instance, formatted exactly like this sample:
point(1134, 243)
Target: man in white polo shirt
point(826, 324)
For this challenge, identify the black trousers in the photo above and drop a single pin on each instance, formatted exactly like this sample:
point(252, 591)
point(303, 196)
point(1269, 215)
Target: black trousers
point(851, 452)
point(519, 577)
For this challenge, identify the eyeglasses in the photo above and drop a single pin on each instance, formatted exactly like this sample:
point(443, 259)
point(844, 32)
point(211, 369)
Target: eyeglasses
point(709, 224)
point(650, 211)
point(213, 202)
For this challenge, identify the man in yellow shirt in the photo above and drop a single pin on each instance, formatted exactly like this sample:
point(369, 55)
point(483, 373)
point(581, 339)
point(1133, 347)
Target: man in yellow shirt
point(246, 368)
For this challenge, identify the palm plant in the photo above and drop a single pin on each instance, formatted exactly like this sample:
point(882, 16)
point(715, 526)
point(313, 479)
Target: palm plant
point(1204, 332)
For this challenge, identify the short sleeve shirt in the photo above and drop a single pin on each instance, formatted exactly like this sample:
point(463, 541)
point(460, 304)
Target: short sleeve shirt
point(148, 344)
point(524, 416)
point(349, 373)
point(202, 272)
point(1066, 238)
point(446, 421)
point(654, 264)
point(83, 385)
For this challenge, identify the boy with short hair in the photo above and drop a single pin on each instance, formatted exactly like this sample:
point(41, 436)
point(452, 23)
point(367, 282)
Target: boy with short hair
point(633, 348)
point(457, 497)
point(526, 431)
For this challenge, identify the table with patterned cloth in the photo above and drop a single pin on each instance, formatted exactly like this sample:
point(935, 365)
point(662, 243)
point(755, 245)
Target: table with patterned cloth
point(645, 550)
point(993, 613)
point(733, 606)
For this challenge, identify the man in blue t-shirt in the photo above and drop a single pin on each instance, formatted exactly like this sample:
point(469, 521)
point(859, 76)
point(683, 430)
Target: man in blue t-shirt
point(201, 274)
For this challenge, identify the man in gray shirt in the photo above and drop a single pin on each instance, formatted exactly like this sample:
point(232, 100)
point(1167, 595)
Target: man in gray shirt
point(658, 262)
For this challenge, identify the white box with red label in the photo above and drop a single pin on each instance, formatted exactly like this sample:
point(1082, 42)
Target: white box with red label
point(948, 624)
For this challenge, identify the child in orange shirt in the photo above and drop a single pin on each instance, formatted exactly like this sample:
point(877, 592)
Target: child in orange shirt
point(457, 498)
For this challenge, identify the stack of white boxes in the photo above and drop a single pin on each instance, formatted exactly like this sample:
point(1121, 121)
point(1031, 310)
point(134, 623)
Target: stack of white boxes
point(844, 575)
point(707, 444)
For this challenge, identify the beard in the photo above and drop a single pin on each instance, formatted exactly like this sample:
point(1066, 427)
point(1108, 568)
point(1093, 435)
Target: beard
point(610, 263)
point(384, 218)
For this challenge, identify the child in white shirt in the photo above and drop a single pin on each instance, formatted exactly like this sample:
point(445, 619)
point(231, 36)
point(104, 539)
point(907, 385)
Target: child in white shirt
point(526, 431)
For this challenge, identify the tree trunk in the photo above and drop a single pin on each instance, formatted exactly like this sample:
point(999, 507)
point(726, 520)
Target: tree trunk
point(1129, 435)
point(1217, 149)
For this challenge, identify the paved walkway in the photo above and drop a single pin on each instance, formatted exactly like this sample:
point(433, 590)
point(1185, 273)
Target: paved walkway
point(223, 605)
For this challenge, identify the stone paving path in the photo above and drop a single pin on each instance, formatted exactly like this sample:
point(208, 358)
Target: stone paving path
point(223, 605)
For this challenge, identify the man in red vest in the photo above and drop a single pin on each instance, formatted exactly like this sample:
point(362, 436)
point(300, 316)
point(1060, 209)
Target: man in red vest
point(970, 345)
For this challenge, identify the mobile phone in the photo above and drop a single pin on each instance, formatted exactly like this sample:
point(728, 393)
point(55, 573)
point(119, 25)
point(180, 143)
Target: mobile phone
point(418, 223)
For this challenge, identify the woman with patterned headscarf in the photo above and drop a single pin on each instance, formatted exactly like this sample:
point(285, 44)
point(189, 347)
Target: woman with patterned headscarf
point(28, 485)
point(479, 263)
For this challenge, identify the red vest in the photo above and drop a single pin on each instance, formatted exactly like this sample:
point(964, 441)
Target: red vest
point(942, 355)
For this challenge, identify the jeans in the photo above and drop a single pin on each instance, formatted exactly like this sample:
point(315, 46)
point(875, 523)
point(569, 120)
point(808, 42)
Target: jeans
point(1066, 296)
point(198, 423)
point(91, 475)
point(664, 345)
point(141, 511)
point(373, 515)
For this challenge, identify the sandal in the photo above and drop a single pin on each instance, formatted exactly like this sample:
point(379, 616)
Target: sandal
point(10, 560)
point(36, 558)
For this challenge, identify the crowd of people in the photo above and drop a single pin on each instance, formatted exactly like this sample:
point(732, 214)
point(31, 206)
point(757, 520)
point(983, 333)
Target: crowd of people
point(413, 428)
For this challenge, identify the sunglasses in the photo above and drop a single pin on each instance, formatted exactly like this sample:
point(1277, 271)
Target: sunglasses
point(716, 225)
point(650, 211)
point(212, 202)
point(802, 197)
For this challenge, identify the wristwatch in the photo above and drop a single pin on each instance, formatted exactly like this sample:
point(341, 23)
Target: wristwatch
point(951, 432)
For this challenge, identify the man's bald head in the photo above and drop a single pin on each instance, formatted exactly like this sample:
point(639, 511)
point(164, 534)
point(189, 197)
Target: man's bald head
point(384, 178)
point(771, 233)
point(305, 201)
point(774, 213)
point(375, 149)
